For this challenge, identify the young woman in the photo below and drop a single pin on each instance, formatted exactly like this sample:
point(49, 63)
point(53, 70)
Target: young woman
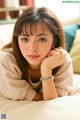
point(35, 66)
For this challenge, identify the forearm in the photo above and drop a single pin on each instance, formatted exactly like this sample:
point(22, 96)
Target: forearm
point(49, 90)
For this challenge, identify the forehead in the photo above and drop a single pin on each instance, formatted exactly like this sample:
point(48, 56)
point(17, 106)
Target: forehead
point(35, 28)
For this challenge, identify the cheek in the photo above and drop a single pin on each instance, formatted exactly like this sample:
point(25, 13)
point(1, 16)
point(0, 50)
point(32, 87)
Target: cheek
point(22, 48)
point(45, 51)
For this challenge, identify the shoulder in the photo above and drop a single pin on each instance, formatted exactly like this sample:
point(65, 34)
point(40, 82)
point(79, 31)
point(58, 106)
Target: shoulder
point(7, 60)
point(6, 56)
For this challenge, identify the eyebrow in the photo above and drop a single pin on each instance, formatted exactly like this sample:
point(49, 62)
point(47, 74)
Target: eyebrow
point(22, 34)
point(42, 34)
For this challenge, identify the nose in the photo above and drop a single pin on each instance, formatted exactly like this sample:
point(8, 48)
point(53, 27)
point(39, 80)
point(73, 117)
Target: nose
point(33, 46)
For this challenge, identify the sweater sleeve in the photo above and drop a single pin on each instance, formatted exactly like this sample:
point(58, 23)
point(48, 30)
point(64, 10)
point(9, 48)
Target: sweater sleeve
point(11, 84)
point(64, 77)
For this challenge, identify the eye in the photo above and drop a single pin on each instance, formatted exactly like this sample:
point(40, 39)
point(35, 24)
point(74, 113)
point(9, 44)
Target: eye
point(42, 40)
point(24, 39)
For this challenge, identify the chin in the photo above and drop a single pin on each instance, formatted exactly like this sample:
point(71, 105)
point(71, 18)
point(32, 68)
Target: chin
point(35, 63)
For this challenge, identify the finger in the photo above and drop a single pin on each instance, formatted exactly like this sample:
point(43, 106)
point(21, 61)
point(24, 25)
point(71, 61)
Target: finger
point(53, 52)
point(60, 50)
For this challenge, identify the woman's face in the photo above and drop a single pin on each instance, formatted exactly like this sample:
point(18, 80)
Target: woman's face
point(36, 46)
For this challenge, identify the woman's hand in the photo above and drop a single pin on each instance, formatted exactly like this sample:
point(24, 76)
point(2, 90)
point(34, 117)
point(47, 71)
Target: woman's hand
point(55, 58)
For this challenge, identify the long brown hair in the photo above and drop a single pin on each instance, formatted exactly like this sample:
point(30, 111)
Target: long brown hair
point(32, 16)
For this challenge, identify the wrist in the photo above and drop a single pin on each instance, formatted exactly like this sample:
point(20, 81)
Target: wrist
point(47, 78)
point(46, 73)
point(46, 67)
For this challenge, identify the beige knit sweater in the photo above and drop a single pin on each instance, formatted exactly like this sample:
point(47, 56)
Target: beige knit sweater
point(14, 87)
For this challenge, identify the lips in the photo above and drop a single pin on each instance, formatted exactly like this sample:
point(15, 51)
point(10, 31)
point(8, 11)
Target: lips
point(33, 56)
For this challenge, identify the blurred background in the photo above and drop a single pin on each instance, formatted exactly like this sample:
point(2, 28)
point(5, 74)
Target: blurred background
point(66, 10)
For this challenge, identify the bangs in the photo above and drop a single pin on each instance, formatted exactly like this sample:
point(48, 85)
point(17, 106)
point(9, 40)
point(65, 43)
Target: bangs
point(31, 28)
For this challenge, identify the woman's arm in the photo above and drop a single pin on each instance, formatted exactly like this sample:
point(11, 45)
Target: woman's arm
point(56, 57)
point(49, 91)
